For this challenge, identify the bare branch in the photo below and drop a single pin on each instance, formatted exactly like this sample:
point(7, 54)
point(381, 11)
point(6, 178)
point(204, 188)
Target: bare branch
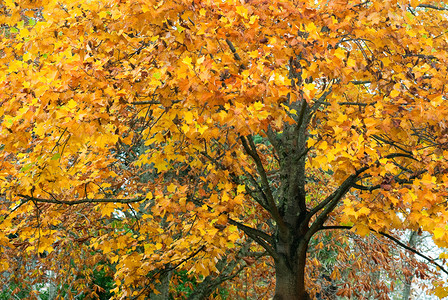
point(232, 48)
point(152, 102)
point(431, 7)
point(345, 187)
point(13, 210)
point(392, 143)
point(330, 203)
point(359, 82)
point(395, 179)
point(252, 230)
point(80, 201)
point(262, 238)
point(395, 240)
point(344, 103)
point(252, 151)
point(272, 137)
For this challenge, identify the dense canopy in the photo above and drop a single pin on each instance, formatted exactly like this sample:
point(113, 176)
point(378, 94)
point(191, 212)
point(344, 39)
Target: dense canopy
point(162, 135)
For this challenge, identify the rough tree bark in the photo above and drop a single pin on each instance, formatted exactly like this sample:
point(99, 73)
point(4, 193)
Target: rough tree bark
point(290, 276)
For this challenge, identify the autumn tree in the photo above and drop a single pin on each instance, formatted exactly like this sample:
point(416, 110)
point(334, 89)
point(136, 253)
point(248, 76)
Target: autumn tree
point(201, 121)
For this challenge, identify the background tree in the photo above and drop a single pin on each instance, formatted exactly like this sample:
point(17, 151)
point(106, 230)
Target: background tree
point(98, 96)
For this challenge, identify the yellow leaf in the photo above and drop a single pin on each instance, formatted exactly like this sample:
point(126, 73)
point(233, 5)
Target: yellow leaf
point(107, 209)
point(4, 266)
point(238, 200)
point(253, 54)
point(437, 101)
point(339, 53)
point(253, 19)
point(361, 229)
point(351, 63)
point(364, 211)
point(311, 29)
point(394, 93)
point(311, 143)
point(232, 228)
point(202, 129)
point(188, 117)
point(438, 233)
point(27, 56)
point(308, 89)
point(242, 11)
point(258, 105)
point(441, 292)
point(187, 61)
point(234, 236)
point(102, 14)
point(71, 104)
point(323, 146)
point(171, 188)
point(241, 189)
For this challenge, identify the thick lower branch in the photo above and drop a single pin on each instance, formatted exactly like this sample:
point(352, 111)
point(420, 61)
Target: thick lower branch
point(262, 238)
point(251, 230)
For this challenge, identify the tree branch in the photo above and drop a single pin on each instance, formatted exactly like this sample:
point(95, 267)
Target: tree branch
point(396, 179)
point(431, 7)
point(272, 137)
point(252, 230)
point(431, 260)
point(238, 181)
point(391, 143)
point(359, 82)
point(329, 204)
point(331, 201)
point(262, 238)
point(80, 201)
point(232, 48)
point(252, 151)
point(152, 102)
point(235, 54)
point(264, 203)
point(344, 103)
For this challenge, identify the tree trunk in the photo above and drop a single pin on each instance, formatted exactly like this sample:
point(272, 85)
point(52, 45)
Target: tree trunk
point(408, 279)
point(163, 287)
point(290, 274)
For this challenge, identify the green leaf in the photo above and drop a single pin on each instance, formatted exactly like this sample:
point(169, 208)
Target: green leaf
point(180, 29)
point(56, 156)
point(26, 167)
